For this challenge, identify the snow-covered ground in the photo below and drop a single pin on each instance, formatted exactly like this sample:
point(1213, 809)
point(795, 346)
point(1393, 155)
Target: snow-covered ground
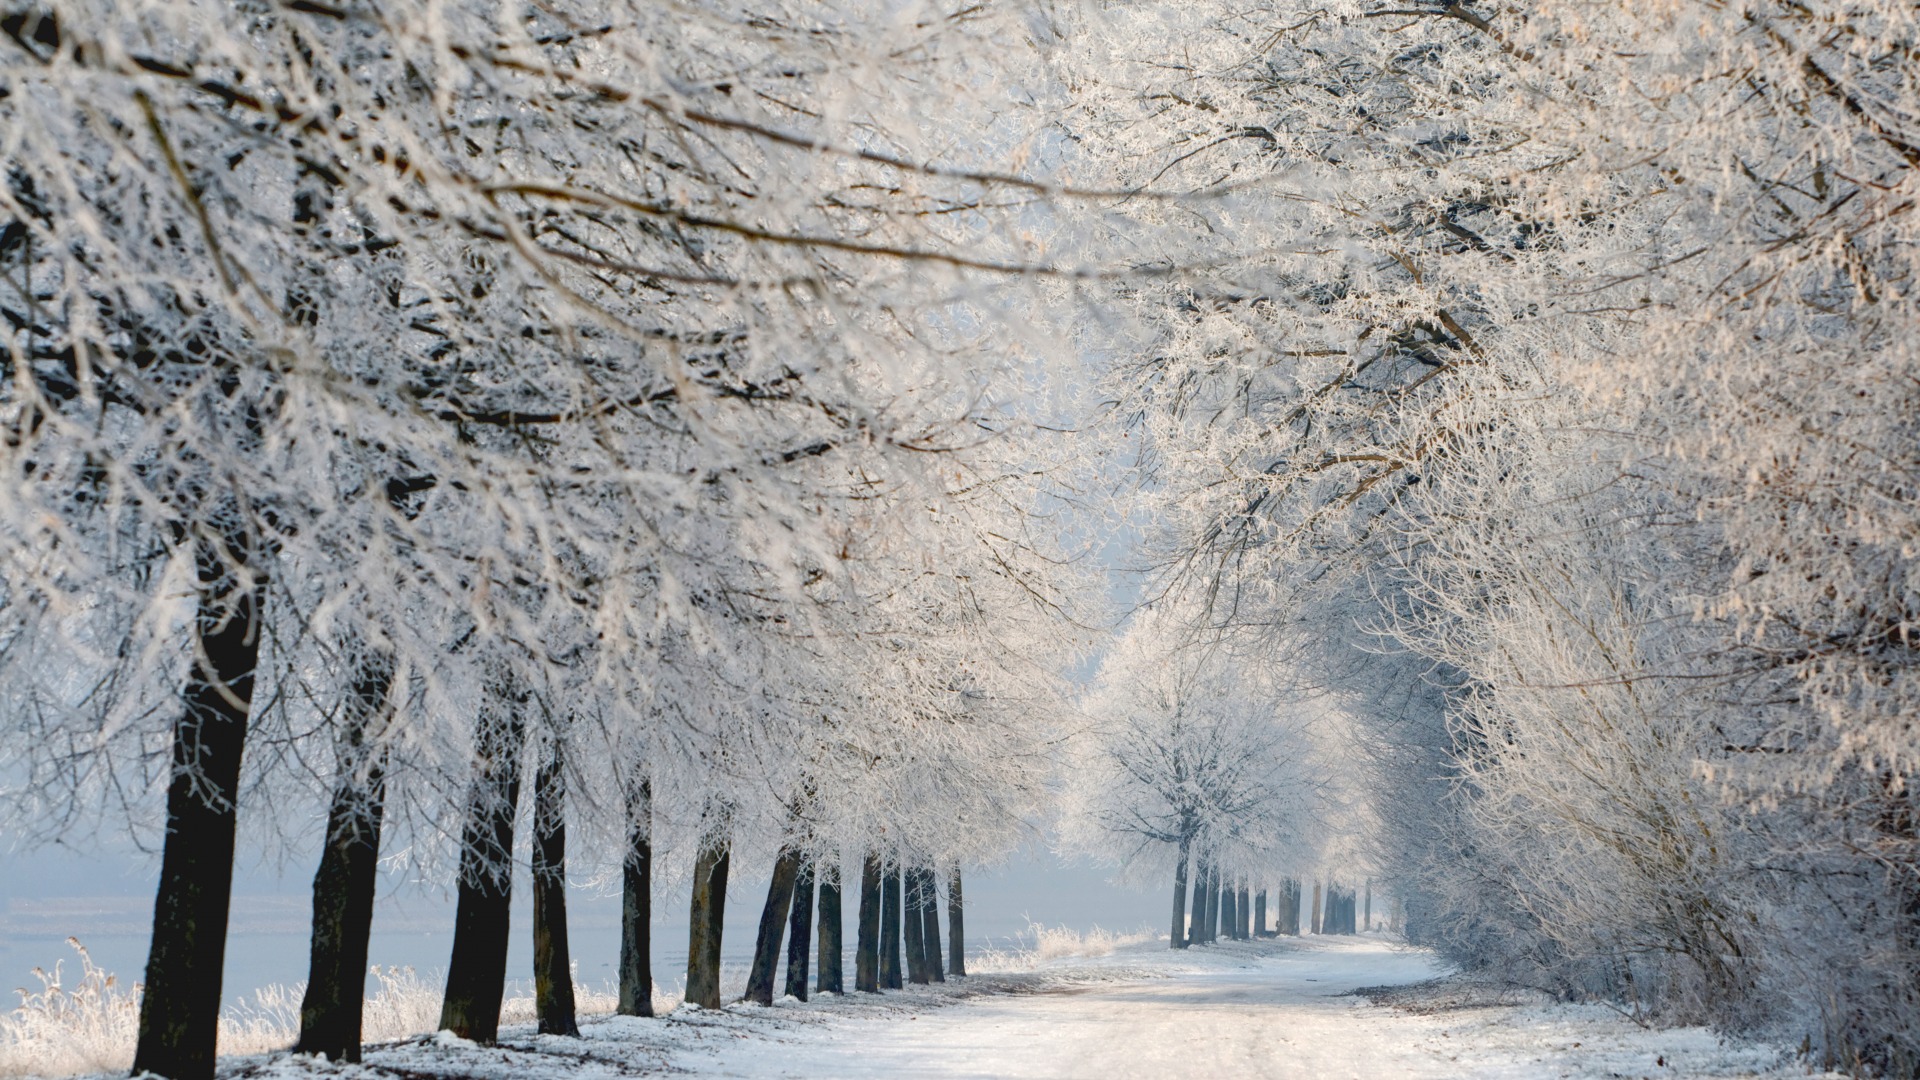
point(1277, 1008)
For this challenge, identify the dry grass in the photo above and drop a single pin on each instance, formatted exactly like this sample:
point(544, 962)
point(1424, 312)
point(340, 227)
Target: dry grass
point(59, 1030)
point(90, 1026)
point(1055, 943)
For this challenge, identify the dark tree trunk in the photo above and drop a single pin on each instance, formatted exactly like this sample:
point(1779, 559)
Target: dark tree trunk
point(180, 1010)
point(914, 925)
point(1213, 903)
point(1229, 918)
point(552, 962)
point(1366, 912)
point(1314, 918)
point(1197, 934)
point(1291, 890)
point(704, 918)
point(890, 928)
point(343, 886)
point(477, 971)
point(636, 906)
point(866, 957)
point(930, 914)
point(1177, 937)
point(829, 978)
point(1210, 904)
point(773, 923)
point(1243, 908)
point(1196, 922)
point(1210, 922)
point(956, 926)
point(800, 932)
point(1260, 915)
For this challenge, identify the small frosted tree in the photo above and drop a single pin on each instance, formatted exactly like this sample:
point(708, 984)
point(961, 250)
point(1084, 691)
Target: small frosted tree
point(1187, 756)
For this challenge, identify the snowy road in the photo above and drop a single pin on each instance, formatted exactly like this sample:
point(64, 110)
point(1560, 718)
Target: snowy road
point(1274, 1018)
point(1227, 1012)
point(1266, 1010)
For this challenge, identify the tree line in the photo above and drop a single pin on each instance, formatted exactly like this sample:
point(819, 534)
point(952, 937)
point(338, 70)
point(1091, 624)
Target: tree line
point(1547, 412)
point(1513, 406)
point(515, 439)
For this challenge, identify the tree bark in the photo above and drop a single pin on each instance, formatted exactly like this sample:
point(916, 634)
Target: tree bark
point(930, 913)
point(704, 918)
point(636, 906)
point(1204, 903)
point(890, 928)
point(343, 885)
point(1260, 914)
point(866, 959)
point(1229, 917)
point(1196, 926)
point(829, 976)
point(1314, 922)
point(180, 1010)
point(1243, 907)
point(477, 971)
point(1213, 903)
point(800, 932)
point(1177, 936)
point(1216, 915)
point(1366, 917)
point(913, 904)
point(956, 926)
point(1202, 891)
point(552, 961)
point(773, 923)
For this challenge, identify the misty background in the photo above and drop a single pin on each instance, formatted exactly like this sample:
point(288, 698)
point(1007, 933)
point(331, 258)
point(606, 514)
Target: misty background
point(106, 901)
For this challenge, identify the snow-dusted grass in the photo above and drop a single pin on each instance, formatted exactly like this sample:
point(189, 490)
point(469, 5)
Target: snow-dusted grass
point(88, 1024)
point(1055, 943)
point(60, 1028)
point(1097, 1004)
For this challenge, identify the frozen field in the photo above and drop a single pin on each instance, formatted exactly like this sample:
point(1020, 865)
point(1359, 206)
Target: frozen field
point(1279, 1009)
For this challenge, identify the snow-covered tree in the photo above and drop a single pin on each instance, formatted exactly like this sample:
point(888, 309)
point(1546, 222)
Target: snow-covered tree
point(1555, 354)
point(1189, 758)
point(456, 348)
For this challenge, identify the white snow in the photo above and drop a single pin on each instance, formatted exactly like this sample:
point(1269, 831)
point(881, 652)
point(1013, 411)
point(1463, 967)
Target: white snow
point(1267, 1009)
